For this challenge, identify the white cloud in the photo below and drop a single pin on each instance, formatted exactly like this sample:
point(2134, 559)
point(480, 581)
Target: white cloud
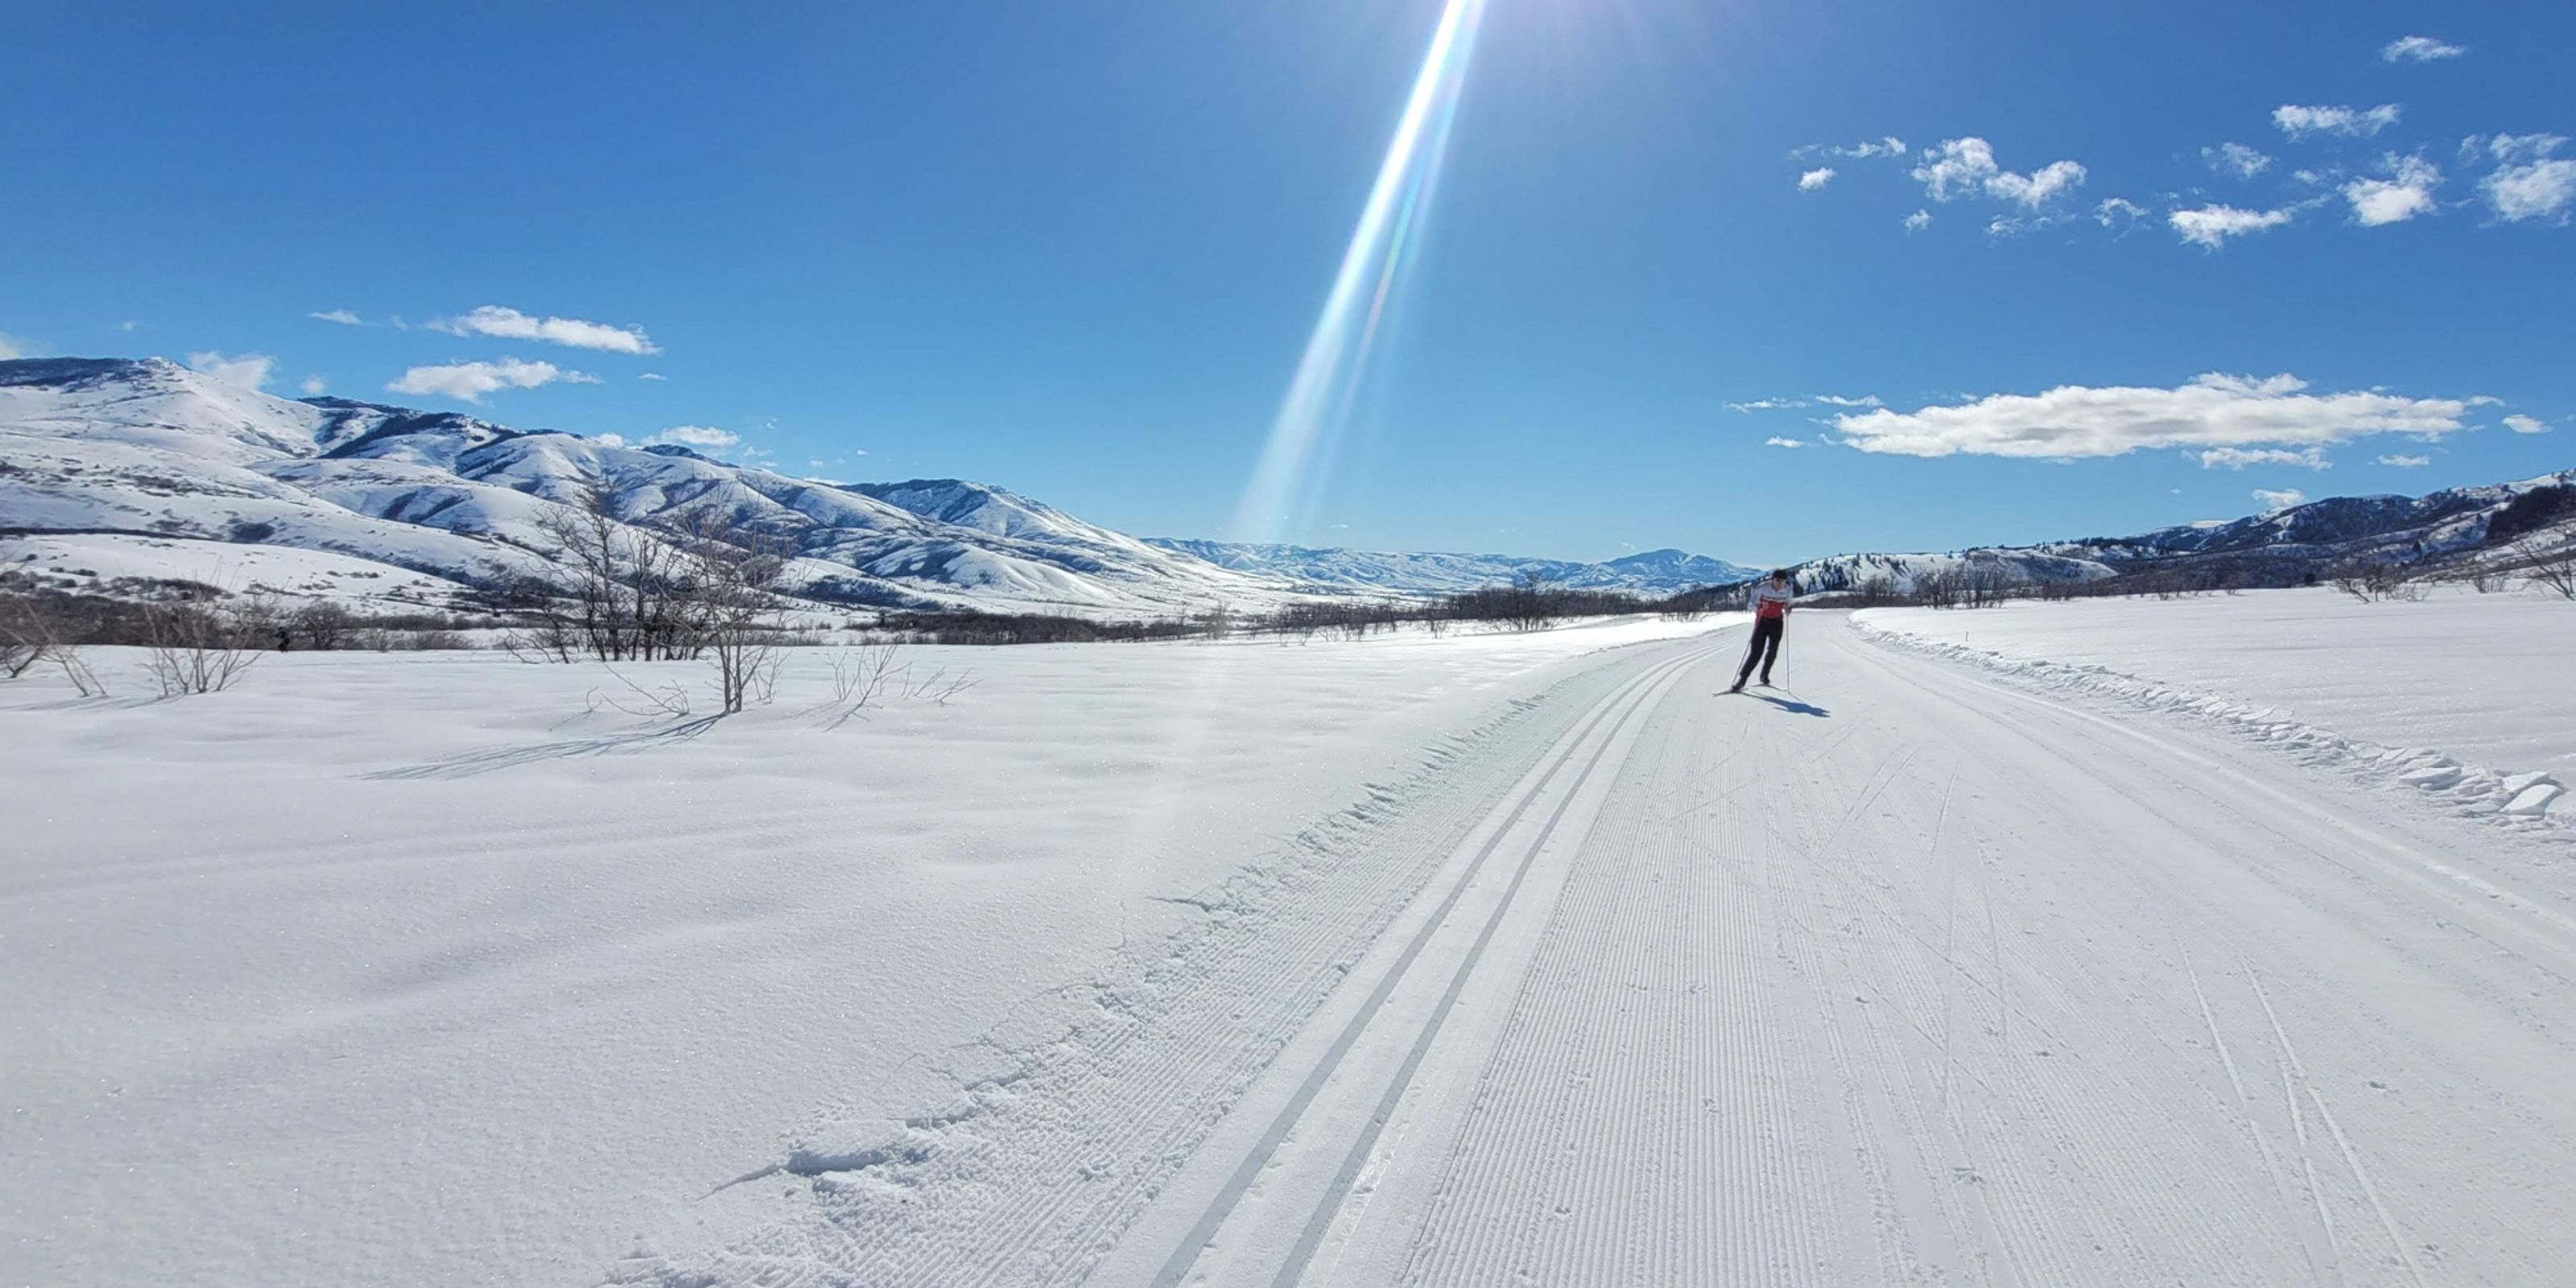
point(697, 436)
point(2237, 458)
point(10, 348)
point(2512, 149)
point(1889, 146)
point(2275, 502)
point(609, 440)
point(2419, 49)
point(2212, 411)
point(2211, 226)
point(1837, 400)
point(2406, 462)
point(1966, 167)
point(2118, 212)
point(1918, 221)
point(511, 324)
point(1777, 441)
point(315, 386)
point(128, 326)
point(248, 370)
point(2300, 122)
point(2526, 424)
point(1767, 404)
point(341, 316)
point(2236, 159)
point(2406, 193)
point(2528, 184)
point(652, 375)
point(2314, 178)
point(469, 381)
point(1816, 178)
point(2485, 400)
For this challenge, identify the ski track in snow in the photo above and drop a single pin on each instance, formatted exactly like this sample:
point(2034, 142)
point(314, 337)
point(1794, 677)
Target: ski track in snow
point(1915, 978)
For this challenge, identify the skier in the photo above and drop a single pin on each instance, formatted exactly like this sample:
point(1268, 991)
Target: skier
point(1769, 601)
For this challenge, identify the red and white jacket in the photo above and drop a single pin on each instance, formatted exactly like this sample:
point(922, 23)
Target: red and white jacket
point(1768, 601)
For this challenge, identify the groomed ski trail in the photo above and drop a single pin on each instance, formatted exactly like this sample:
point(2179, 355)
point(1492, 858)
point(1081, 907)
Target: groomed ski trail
point(1904, 976)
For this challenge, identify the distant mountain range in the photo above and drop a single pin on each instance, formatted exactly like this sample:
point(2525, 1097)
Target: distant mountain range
point(144, 469)
point(2283, 548)
point(1655, 572)
point(117, 472)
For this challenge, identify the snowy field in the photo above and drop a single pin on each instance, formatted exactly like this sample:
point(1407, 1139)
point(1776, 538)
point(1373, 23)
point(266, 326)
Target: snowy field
point(1463, 961)
point(2478, 682)
point(402, 969)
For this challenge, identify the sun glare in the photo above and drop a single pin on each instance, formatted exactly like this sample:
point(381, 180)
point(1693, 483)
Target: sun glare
point(1298, 456)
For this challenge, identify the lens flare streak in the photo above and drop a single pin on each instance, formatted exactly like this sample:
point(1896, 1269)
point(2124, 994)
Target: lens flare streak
point(1298, 455)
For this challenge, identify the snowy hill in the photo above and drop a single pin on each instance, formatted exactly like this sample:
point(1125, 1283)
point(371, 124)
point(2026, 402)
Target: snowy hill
point(1339, 571)
point(2282, 548)
point(2395, 528)
point(116, 468)
point(169, 473)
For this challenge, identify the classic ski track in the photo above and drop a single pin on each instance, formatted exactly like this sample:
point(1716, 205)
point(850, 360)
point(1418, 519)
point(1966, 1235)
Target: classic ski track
point(1759, 1025)
point(1123, 1092)
point(1482, 1227)
point(1607, 720)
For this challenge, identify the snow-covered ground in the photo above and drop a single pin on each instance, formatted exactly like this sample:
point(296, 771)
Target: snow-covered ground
point(404, 970)
point(2483, 682)
point(1460, 961)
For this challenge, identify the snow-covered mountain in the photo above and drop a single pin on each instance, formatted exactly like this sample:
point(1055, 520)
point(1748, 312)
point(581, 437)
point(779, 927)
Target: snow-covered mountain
point(114, 468)
point(2282, 548)
point(164, 472)
point(1338, 571)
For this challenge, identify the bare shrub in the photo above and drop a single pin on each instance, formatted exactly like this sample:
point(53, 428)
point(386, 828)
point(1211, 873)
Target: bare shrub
point(321, 625)
point(862, 675)
point(2552, 570)
point(1941, 587)
point(2374, 580)
point(725, 598)
point(671, 701)
point(196, 648)
point(25, 639)
point(622, 590)
point(939, 686)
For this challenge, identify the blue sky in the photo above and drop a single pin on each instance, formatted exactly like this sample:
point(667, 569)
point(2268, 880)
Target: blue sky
point(1077, 248)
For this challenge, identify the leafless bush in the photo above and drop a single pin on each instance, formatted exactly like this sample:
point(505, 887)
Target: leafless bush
point(2371, 581)
point(84, 681)
point(623, 590)
point(727, 600)
point(2552, 570)
point(321, 625)
point(548, 639)
point(862, 675)
point(1876, 589)
point(197, 648)
point(671, 701)
point(16, 657)
point(27, 636)
point(939, 686)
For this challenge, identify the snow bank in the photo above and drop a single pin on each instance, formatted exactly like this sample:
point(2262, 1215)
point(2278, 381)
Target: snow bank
point(2490, 671)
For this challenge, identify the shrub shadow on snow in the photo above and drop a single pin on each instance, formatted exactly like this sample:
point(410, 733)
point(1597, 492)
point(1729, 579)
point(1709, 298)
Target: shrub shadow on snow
point(496, 759)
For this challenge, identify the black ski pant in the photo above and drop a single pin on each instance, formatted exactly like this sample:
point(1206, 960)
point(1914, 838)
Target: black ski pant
point(1765, 648)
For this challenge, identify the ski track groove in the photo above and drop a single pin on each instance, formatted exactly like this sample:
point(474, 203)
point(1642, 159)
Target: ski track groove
point(1734, 1053)
point(1119, 1102)
point(1328, 1207)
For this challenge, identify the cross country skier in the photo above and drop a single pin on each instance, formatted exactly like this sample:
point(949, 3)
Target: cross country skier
point(1769, 601)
